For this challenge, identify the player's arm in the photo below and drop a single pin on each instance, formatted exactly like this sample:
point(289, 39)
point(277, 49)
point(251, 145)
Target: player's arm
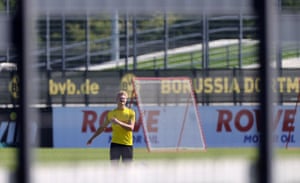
point(98, 131)
point(128, 126)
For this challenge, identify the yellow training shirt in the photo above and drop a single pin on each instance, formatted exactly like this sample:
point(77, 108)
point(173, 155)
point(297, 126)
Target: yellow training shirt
point(121, 135)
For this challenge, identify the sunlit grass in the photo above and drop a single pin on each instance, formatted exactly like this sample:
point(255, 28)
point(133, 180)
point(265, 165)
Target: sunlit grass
point(9, 156)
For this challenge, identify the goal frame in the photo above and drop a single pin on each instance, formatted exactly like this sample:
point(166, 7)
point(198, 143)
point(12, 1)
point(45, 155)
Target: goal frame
point(296, 110)
point(194, 105)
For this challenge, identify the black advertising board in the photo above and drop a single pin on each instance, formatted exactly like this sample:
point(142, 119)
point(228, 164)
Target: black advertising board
point(99, 87)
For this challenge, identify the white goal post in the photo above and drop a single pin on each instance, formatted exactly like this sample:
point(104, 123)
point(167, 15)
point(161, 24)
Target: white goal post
point(169, 113)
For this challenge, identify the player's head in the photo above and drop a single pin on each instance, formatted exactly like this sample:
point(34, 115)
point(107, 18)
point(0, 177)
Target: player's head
point(122, 97)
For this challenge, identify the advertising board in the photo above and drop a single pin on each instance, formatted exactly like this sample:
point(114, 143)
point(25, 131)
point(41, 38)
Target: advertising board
point(223, 126)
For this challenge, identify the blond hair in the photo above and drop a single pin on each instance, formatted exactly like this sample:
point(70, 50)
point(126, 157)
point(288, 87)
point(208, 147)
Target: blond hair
point(122, 92)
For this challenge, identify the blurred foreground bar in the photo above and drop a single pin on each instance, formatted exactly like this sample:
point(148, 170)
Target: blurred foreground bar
point(73, 7)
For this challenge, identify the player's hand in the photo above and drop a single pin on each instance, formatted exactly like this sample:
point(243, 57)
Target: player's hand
point(89, 142)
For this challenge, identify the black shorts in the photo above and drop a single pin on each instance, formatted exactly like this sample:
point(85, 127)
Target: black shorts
point(119, 151)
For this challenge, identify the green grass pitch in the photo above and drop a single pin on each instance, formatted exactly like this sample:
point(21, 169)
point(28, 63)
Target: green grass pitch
point(9, 156)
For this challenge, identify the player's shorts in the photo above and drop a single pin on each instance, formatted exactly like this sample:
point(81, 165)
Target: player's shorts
point(120, 151)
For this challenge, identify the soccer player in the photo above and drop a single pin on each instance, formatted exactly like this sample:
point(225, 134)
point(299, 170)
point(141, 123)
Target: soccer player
point(122, 121)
